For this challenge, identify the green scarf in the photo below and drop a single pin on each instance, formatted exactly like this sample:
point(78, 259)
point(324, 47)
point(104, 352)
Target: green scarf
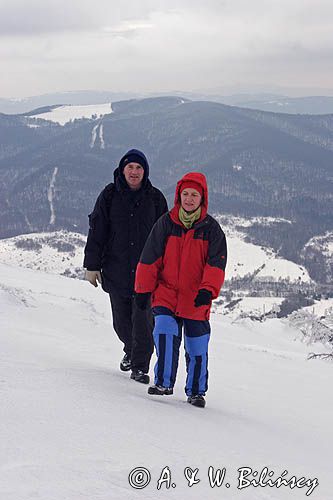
point(188, 219)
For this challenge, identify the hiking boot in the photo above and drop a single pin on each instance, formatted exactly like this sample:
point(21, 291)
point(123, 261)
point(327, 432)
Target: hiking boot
point(140, 376)
point(125, 363)
point(197, 400)
point(159, 390)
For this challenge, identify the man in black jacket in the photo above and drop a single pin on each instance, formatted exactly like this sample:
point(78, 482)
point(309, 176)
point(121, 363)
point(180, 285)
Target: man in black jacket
point(124, 214)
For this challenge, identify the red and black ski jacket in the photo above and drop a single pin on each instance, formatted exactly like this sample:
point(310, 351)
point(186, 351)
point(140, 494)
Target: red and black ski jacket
point(177, 262)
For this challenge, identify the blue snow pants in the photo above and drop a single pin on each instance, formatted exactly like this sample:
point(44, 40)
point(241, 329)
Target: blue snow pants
point(167, 338)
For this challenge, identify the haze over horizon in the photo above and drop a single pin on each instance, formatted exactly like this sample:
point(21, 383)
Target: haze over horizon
point(151, 46)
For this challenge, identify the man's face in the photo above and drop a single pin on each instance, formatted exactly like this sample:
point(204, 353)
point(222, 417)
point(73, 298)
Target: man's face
point(190, 199)
point(134, 173)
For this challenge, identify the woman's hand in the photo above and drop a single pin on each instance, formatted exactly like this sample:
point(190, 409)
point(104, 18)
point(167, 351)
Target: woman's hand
point(203, 298)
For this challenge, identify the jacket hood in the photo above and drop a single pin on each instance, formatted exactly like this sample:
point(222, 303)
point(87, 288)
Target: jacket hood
point(200, 179)
point(118, 174)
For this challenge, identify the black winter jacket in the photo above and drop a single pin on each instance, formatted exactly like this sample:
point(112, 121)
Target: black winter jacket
point(118, 229)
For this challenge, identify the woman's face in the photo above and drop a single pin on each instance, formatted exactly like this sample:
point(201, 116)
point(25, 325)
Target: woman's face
point(190, 199)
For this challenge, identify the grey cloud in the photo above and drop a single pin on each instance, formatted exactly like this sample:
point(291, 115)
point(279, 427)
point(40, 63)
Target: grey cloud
point(21, 17)
point(184, 44)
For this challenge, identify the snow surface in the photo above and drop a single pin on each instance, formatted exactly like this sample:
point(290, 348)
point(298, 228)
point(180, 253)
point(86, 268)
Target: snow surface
point(64, 114)
point(50, 195)
point(320, 307)
point(73, 426)
point(243, 257)
point(46, 256)
point(249, 306)
point(324, 242)
point(101, 136)
point(98, 127)
point(236, 221)
point(93, 135)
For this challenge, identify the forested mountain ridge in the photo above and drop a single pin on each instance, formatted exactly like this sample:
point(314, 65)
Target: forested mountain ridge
point(257, 164)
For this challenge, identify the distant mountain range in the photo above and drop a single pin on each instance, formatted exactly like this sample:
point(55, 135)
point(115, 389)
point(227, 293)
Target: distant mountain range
point(26, 104)
point(276, 103)
point(311, 105)
point(257, 164)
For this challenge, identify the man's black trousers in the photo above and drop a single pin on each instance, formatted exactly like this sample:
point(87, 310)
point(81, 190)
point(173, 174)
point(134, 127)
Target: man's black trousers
point(134, 328)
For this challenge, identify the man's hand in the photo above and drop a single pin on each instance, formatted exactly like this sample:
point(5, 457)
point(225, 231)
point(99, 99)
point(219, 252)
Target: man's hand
point(142, 300)
point(93, 277)
point(203, 298)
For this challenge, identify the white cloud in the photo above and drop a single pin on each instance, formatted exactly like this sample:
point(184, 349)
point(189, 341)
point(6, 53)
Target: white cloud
point(19, 17)
point(163, 45)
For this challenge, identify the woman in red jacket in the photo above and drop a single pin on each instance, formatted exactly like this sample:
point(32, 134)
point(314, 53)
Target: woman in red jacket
point(182, 269)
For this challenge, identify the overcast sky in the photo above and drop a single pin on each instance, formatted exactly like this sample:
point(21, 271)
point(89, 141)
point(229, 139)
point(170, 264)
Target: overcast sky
point(164, 45)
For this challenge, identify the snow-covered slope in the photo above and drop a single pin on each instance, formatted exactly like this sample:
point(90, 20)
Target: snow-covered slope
point(60, 252)
point(319, 250)
point(66, 113)
point(247, 258)
point(251, 307)
point(324, 243)
point(243, 257)
point(320, 307)
point(73, 426)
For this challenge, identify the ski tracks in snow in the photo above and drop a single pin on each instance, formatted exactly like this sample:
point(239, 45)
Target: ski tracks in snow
point(28, 222)
point(101, 138)
point(97, 129)
point(50, 196)
point(93, 135)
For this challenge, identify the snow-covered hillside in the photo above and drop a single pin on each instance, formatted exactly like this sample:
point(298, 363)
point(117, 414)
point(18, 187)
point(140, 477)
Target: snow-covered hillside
point(320, 307)
point(324, 242)
point(243, 257)
point(60, 252)
point(251, 307)
point(66, 113)
point(319, 250)
point(73, 426)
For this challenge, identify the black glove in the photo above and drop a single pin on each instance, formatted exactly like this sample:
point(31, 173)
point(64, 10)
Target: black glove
point(203, 298)
point(142, 300)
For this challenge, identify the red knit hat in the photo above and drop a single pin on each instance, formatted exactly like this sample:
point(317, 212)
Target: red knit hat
point(191, 184)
